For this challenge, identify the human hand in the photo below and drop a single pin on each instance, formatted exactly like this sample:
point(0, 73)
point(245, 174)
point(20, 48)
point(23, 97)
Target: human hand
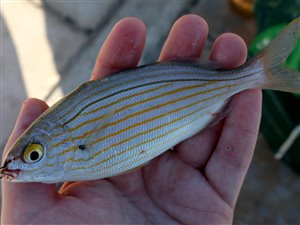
point(196, 183)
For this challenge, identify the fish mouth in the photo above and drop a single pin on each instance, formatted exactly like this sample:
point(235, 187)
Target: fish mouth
point(8, 174)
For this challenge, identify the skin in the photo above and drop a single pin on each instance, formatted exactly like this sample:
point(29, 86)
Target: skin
point(196, 183)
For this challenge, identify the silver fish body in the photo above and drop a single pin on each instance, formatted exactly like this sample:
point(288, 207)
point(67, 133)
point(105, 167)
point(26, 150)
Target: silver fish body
point(111, 126)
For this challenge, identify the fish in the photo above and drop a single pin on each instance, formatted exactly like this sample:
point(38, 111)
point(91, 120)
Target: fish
point(114, 125)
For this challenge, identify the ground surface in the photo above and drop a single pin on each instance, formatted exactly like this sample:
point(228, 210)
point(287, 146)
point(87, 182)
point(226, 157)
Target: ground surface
point(49, 47)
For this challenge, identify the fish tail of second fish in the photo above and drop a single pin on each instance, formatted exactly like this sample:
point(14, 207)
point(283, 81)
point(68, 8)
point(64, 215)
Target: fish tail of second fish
point(278, 75)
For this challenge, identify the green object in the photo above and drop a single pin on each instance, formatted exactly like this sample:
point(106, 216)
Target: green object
point(264, 38)
point(281, 111)
point(293, 60)
point(273, 12)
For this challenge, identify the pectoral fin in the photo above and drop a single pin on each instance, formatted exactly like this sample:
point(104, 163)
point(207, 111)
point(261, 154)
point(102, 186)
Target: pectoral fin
point(84, 150)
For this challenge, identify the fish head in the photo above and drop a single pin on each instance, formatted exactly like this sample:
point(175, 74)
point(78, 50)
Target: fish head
point(27, 159)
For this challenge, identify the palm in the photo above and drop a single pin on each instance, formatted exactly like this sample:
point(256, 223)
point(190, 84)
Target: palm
point(197, 182)
point(166, 191)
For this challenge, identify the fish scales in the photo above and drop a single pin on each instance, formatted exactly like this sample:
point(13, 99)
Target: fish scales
point(113, 125)
point(160, 115)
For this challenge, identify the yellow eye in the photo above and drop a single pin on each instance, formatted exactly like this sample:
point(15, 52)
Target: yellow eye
point(33, 153)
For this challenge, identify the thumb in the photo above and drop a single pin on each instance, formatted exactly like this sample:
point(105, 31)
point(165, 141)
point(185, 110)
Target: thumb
point(25, 198)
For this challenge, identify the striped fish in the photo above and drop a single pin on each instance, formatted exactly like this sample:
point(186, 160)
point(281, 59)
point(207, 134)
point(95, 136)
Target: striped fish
point(110, 126)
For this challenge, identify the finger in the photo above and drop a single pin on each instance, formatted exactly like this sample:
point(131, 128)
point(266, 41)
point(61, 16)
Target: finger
point(25, 118)
point(230, 51)
point(186, 38)
point(122, 49)
point(34, 195)
point(227, 167)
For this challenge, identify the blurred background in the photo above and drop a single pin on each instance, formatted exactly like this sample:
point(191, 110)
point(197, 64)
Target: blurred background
point(49, 47)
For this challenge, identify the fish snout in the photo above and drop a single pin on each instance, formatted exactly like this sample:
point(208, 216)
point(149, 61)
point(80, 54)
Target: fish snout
point(8, 173)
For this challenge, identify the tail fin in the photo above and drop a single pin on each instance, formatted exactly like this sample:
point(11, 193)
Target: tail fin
point(279, 77)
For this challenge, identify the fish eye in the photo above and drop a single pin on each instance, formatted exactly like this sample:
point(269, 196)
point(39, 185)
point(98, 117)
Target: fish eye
point(33, 153)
